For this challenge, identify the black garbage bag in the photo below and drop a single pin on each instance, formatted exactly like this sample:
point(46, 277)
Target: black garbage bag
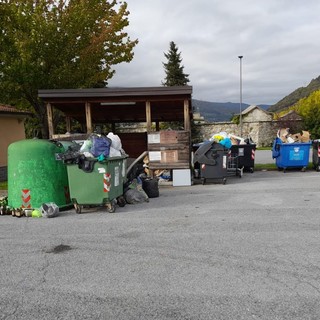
point(134, 193)
point(151, 187)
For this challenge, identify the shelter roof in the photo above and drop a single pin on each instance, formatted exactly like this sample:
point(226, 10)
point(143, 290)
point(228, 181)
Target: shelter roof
point(121, 104)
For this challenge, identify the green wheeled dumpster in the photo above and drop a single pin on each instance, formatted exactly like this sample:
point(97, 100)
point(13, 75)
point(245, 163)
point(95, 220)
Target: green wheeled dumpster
point(35, 176)
point(94, 183)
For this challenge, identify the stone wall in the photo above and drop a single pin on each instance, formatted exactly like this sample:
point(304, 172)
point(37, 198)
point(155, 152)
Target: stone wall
point(261, 132)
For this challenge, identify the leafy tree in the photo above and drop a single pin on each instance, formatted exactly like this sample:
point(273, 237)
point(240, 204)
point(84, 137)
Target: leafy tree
point(173, 68)
point(296, 95)
point(309, 109)
point(51, 44)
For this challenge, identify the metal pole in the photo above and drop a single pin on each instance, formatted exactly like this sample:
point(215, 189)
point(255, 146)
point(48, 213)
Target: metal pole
point(240, 57)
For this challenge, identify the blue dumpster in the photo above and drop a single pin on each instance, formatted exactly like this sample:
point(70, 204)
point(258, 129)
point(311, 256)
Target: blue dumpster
point(291, 155)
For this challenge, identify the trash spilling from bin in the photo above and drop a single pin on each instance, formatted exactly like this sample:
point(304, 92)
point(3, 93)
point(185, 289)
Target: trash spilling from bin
point(223, 155)
point(291, 150)
point(47, 210)
point(100, 166)
point(48, 176)
point(286, 137)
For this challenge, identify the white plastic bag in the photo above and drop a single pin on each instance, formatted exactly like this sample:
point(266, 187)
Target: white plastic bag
point(49, 210)
point(116, 142)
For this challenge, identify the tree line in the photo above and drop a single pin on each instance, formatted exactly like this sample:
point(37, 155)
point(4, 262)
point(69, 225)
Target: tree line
point(58, 44)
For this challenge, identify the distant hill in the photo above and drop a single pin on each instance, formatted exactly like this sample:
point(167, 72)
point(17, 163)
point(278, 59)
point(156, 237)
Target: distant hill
point(296, 95)
point(219, 111)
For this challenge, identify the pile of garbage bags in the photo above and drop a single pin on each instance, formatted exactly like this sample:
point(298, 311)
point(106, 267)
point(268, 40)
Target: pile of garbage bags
point(229, 139)
point(101, 146)
point(97, 147)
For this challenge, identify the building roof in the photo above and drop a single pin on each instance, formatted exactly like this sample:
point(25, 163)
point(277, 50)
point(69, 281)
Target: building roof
point(121, 104)
point(6, 109)
point(290, 115)
point(251, 108)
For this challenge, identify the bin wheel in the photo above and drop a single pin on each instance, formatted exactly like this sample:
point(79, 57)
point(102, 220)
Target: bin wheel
point(121, 201)
point(110, 207)
point(77, 207)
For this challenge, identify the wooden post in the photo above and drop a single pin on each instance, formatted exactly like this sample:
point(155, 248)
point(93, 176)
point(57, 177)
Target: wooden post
point(68, 124)
point(88, 117)
point(148, 115)
point(50, 120)
point(186, 115)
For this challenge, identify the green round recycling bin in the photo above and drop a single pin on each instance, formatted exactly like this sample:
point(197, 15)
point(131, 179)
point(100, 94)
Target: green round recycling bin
point(35, 176)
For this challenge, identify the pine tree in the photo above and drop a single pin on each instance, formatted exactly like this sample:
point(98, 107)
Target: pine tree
point(174, 77)
point(173, 68)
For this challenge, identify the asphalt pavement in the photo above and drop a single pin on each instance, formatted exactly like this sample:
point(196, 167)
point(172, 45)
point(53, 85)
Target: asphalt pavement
point(263, 157)
point(249, 249)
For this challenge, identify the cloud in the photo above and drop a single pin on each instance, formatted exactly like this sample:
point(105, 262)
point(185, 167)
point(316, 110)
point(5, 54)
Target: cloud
point(277, 38)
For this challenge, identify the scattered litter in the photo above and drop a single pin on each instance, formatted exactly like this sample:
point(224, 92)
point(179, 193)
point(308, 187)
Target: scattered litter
point(134, 192)
point(286, 137)
point(36, 213)
point(49, 210)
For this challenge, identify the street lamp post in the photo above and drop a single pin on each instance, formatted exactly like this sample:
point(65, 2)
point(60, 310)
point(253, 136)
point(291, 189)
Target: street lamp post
point(240, 57)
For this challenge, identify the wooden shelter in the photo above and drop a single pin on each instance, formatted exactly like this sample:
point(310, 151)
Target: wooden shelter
point(150, 105)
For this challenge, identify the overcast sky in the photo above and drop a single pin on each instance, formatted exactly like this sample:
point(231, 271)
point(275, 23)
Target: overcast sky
point(278, 39)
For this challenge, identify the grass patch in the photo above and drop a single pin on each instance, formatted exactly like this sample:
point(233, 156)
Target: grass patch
point(273, 166)
point(4, 185)
point(267, 166)
point(264, 148)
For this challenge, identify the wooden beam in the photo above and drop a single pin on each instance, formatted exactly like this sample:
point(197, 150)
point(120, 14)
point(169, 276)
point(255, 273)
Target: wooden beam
point(50, 120)
point(68, 124)
point(148, 116)
point(88, 117)
point(187, 125)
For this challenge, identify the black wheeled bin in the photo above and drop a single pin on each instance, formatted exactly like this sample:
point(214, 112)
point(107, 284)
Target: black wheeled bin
point(211, 159)
point(246, 156)
point(316, 154)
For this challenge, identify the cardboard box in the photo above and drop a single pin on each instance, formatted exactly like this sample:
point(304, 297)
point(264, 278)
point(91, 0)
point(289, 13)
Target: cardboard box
point(298, 137)
point(305, 136)
point(169, 156)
